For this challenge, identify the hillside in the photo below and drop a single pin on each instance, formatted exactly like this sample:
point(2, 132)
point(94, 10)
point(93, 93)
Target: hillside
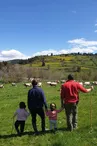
point(54, 67)
point(61, 60)
point(68, 61)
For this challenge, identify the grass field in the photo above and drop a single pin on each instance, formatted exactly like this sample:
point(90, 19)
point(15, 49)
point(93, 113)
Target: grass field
point(85, 135)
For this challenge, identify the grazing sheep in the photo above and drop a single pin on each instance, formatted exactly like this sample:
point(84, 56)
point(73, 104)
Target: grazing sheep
point(13, 84)
point(81, 83)
point(94, 83)
point(49, 83)
point(53, 83)
point(63, 81)
point(27, 84)
point(2, 86)
point(39, 84)
point(87, 83)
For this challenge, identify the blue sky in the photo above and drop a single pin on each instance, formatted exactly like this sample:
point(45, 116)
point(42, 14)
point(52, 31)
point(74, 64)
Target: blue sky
point(39, 27)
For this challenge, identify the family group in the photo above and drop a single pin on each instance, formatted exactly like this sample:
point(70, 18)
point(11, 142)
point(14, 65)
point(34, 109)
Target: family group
point(36, 102)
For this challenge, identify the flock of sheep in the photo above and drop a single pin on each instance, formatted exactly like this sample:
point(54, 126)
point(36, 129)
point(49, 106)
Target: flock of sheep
point(52, 83)
point(29, 84)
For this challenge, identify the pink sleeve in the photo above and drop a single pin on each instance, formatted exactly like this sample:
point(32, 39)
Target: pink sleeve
point(58, 111)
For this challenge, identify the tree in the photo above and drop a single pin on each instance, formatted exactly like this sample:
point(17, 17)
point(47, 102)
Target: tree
point(43, 62)
point(78, 69)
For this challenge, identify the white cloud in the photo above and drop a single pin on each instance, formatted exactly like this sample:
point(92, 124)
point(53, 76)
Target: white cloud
point(77, 45)
point(12, 54)
point(83, 46)
point(83, 42)
point(95, 30)
point(82, 50)
point(48, 52)
point(45, 52)
point(66, 51)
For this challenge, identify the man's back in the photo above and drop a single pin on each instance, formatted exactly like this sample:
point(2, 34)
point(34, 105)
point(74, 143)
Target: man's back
point(69, 91)
point(35, 98)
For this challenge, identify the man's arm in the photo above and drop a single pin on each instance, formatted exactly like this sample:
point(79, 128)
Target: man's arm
point(90, 89)
point(44, 100)
point(28, 99)
point(62, 96)
point(62, 103)
point(81, 88)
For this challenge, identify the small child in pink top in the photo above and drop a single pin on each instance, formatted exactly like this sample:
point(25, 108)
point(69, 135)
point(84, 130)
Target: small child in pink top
point(52, 114)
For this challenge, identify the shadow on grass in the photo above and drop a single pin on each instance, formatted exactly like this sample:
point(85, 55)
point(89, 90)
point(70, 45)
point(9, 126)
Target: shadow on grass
point(31, 133)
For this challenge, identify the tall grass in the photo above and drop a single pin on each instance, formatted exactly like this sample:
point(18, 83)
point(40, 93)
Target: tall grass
point(85, 135)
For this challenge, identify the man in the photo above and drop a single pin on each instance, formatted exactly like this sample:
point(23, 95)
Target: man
point(70, 98)
point(36, 101)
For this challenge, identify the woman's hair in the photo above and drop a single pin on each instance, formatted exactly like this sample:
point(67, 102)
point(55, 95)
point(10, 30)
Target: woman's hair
point(52, 106)
point(22, 105)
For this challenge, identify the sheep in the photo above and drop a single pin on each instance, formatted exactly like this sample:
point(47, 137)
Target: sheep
point(39, 84)
point(13, 84)
point(27, 84)
point(31, 79)
point(63, 81)
point(81, 83)
point(94, 83)
point(49, 83)
point(2, 86)
point(87, 83)
point(53, 83)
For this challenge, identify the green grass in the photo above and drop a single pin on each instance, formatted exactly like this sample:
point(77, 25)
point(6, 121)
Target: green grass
point(85, 135)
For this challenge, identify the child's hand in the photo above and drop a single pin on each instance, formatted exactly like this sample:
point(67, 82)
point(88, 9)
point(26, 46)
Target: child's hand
point(46, 110)
point(61, 108)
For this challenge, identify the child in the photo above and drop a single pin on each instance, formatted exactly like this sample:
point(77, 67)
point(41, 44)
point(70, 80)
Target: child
point(22, 115)
point(52, 114)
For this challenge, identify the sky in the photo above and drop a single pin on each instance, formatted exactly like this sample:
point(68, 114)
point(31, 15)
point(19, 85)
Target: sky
point(31, 28)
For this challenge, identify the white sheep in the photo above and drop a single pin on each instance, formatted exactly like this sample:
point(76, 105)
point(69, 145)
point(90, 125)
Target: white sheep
point(13, 84)
point(94, 83)
point(1, 86)
point(39, 84)
point(81, 83)
point(53, 83)
point(27, 84)
point(48, 82)
point(87, 83)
